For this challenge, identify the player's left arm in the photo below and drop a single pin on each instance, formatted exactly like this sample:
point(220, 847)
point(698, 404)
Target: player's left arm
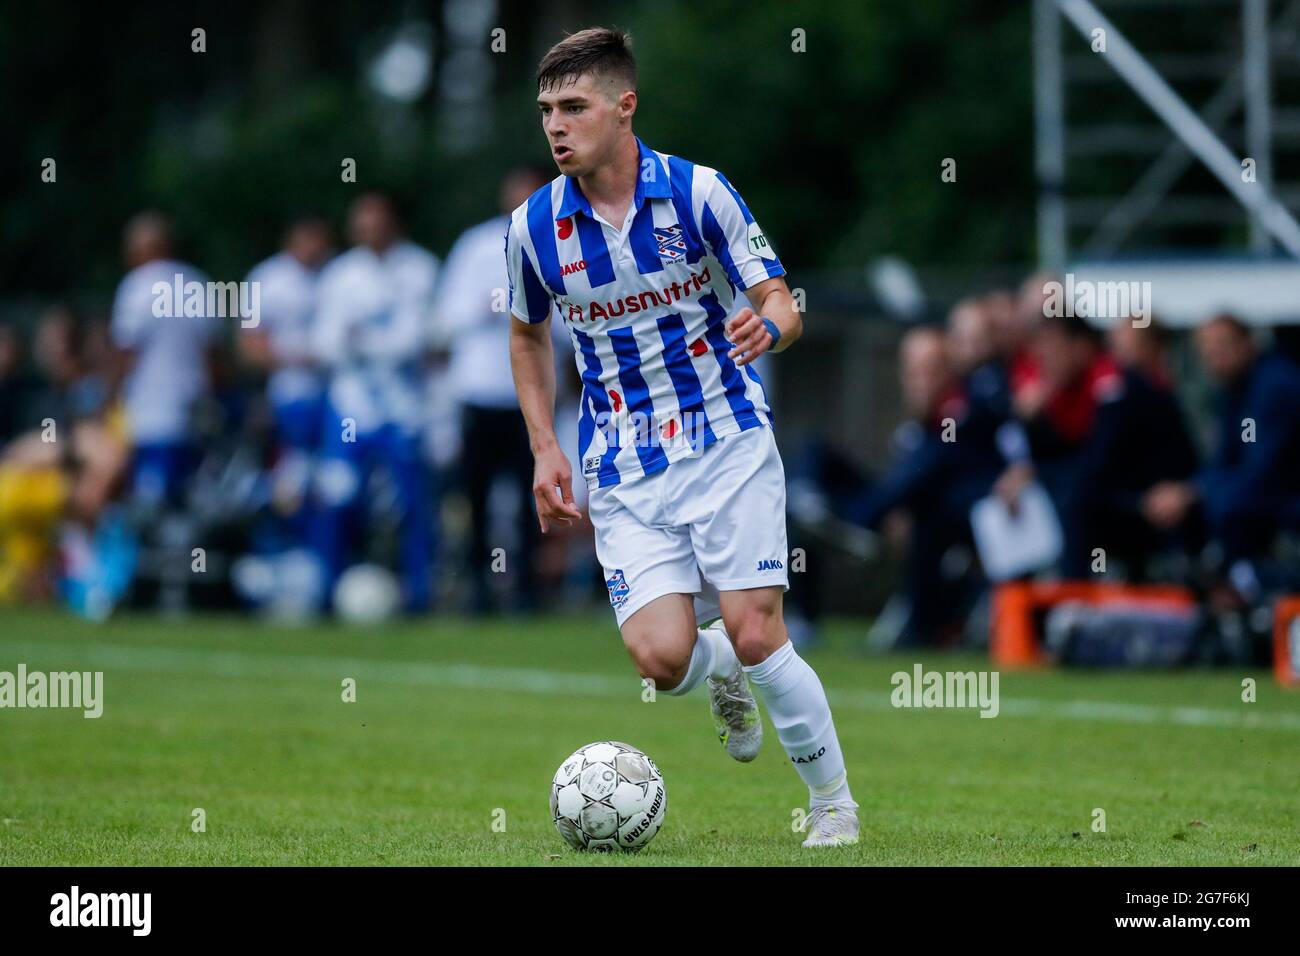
point(752, 330)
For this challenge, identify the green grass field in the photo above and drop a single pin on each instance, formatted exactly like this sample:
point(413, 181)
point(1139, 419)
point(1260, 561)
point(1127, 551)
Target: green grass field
point(456, 721)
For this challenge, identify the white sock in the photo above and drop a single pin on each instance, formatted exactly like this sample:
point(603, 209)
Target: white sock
point(797, 704)
point(712, 656)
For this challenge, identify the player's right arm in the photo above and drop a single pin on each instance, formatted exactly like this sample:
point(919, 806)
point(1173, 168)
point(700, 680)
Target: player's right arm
point(532, 363)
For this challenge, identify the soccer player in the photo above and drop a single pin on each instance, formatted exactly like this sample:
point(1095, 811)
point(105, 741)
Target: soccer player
point(165, 357)
point(478, 335)
point(370, 334)
point(642, 254)
point(282, 345)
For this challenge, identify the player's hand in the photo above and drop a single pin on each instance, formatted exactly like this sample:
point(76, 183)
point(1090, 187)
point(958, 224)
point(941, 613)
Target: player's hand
point(553, 489)
point(750, 337)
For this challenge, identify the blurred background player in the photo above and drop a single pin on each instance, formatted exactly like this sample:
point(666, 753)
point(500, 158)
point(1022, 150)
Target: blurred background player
point(164, 359)
point(472, 321)
point(281, 346)
point(371, 333)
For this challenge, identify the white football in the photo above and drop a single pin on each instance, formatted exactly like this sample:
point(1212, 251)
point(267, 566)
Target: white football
point(608, 796)
point(367, 594)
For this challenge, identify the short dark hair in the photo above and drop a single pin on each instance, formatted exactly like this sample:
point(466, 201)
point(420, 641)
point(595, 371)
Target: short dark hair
point(596, 50)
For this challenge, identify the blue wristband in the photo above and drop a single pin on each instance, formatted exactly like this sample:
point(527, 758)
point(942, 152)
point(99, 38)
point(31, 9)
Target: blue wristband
point(771, 327)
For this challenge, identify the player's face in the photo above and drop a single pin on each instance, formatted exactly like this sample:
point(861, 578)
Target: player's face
point(310, 243)
point(581, 120)
point(372, 224)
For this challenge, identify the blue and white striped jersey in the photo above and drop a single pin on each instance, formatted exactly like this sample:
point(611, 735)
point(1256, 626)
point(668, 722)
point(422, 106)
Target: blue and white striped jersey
point(645, 305)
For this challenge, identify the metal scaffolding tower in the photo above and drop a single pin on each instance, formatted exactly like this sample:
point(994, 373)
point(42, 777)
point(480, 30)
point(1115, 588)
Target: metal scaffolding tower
point(1086, 71)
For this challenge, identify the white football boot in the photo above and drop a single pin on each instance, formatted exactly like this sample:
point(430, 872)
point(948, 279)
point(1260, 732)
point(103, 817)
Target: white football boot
point(735, 714)
point(832, 826)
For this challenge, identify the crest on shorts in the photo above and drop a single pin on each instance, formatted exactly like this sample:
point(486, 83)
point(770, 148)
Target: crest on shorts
point(671, 243)
point(618, 588)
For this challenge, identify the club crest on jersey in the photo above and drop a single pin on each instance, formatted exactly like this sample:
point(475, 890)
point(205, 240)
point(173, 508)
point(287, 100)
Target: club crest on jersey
point(618, 589)
point(671, 243)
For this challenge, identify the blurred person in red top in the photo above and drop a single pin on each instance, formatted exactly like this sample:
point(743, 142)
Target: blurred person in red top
point(1100, 435)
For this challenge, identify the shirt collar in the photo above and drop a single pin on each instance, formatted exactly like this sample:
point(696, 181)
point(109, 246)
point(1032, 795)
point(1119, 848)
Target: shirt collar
point(651, 183)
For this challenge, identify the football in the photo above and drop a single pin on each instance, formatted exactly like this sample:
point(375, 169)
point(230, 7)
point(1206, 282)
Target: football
point(367, 594)
point(608, 796)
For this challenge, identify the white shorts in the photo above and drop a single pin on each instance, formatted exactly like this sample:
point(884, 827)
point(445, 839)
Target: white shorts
point(718, 515)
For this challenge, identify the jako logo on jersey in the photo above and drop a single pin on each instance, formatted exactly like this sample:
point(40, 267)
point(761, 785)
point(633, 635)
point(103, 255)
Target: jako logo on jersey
point(810, 758)
point(770, 564)
point(642, 302)
point(671, 243)
point(618, 589)
point(564, 227)
point(571, 267)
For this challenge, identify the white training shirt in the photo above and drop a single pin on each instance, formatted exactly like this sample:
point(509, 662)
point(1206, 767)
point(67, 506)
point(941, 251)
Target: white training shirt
point(287, 290)
point(371, 331)
point(471, 283)
point(170, 369)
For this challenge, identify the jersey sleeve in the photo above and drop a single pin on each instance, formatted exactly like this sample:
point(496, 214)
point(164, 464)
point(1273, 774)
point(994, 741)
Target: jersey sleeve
point(733, 236)
point(529, 300)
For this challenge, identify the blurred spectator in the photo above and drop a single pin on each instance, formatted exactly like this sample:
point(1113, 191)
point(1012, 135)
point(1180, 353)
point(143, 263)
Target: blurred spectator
point(64, 479)
point(1143, 349)
point(371, 331)
point(164, 358)
point(15, 387)
point(281, 346)
point(474, 323)
point(976, 359)
point(1101, 435)
point(925, 498)
point(1142, 440)
point(1250, 488)
point(76, 388)
point(1014, 327)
